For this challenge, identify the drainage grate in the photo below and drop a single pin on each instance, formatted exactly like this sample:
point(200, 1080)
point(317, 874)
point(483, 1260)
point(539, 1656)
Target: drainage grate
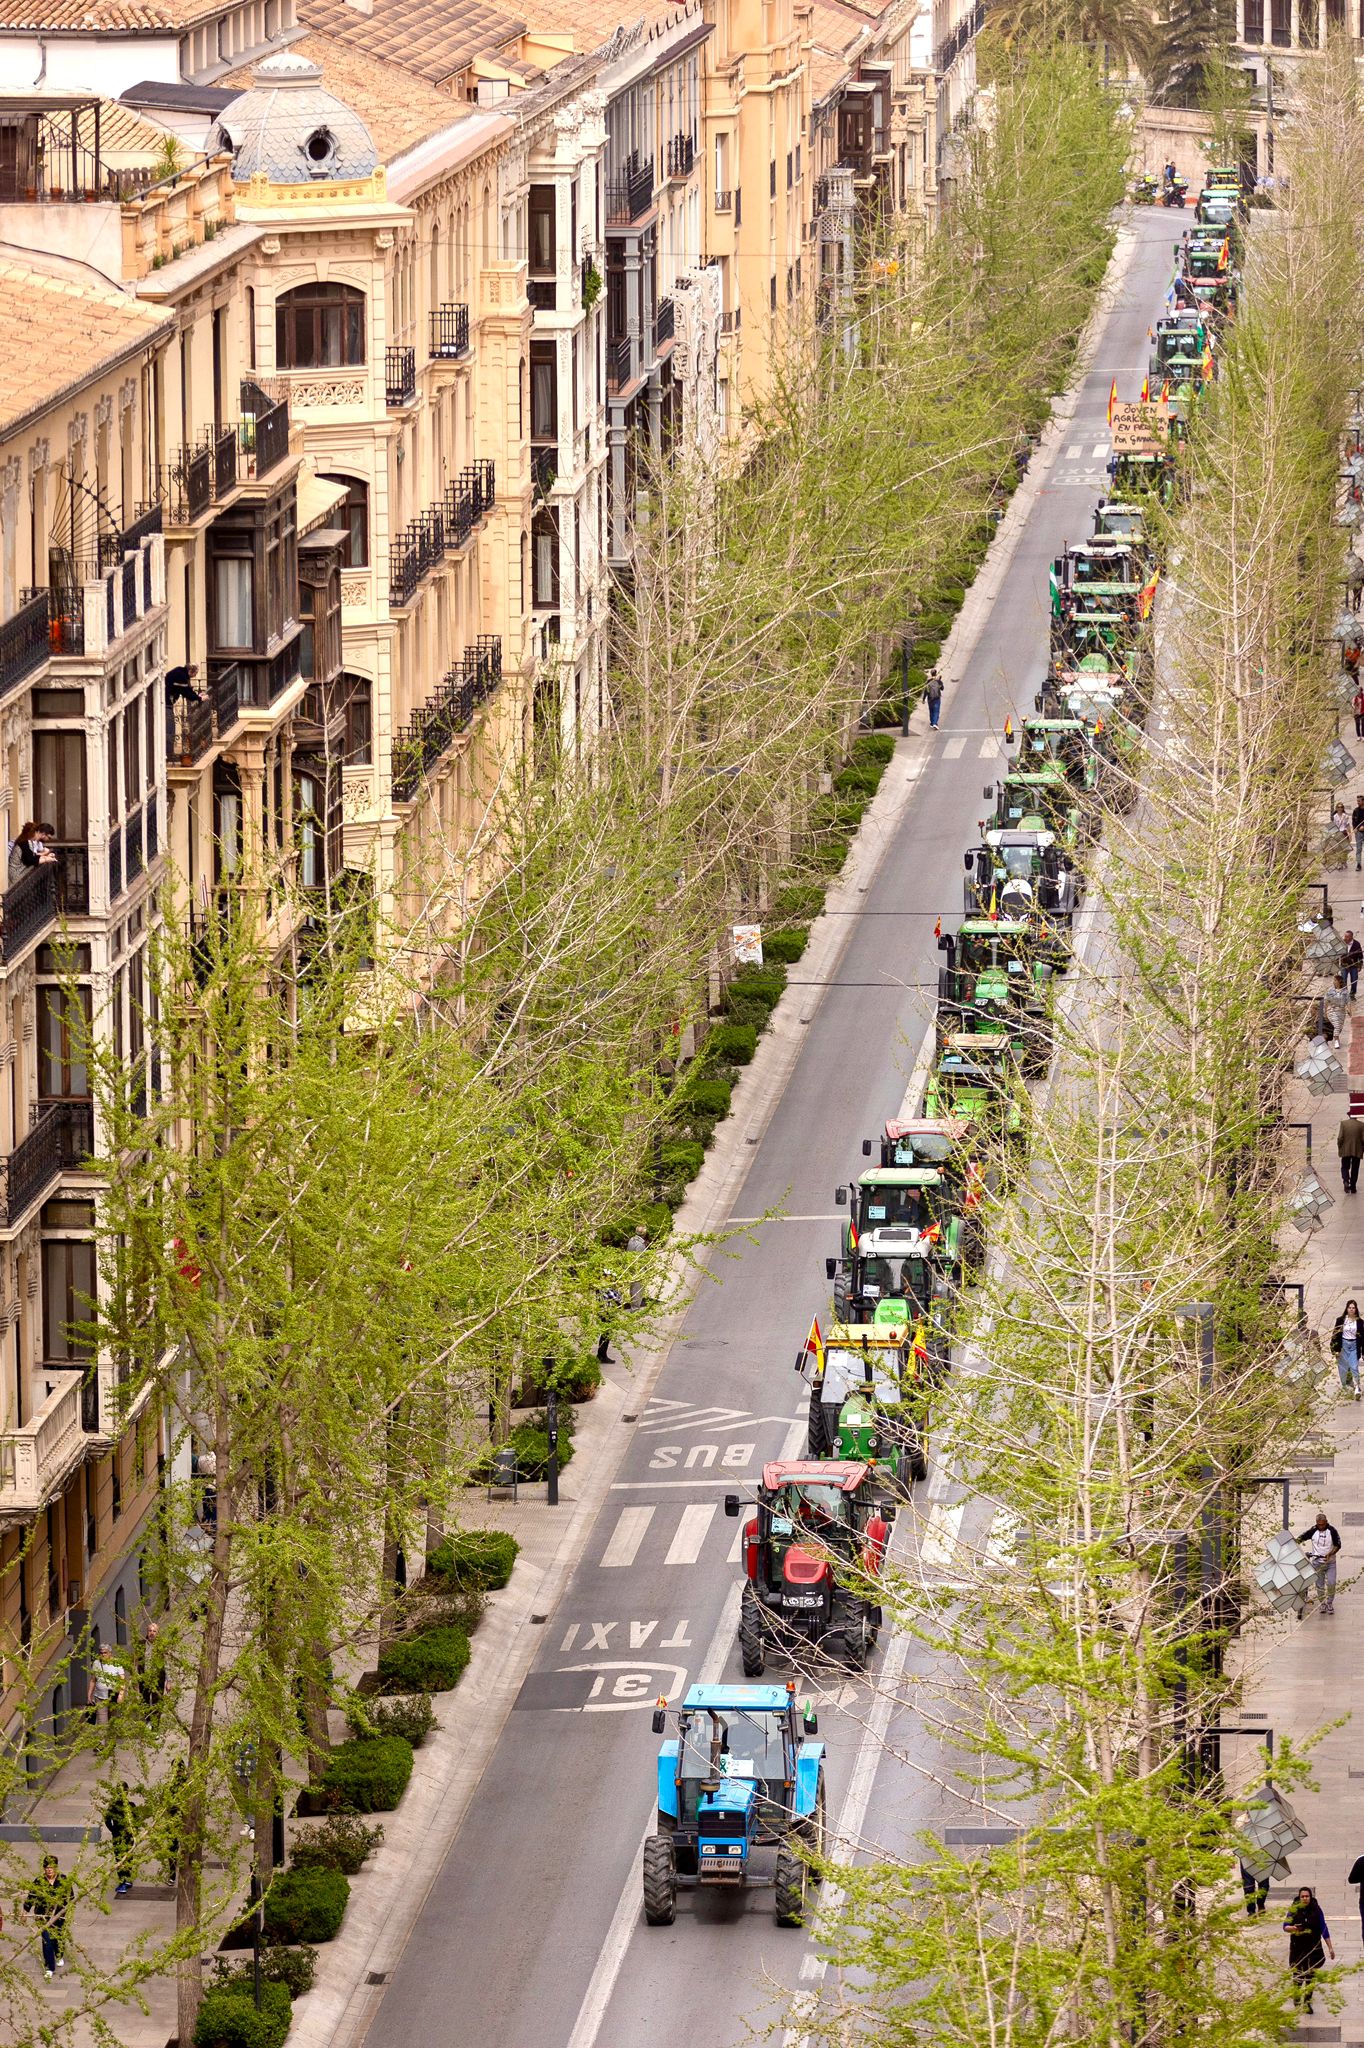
point(381, 1977)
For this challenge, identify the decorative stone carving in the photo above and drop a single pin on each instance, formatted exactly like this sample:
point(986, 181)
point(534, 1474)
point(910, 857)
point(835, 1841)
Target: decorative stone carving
point(318, 388)
point(127, 394)
point(269, 245)
point(38, 455)
point(77, 429)
point(384, 239)
point(356, 796)
point(355, 590)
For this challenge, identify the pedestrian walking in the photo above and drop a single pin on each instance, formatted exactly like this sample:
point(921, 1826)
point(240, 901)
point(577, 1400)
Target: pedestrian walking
point(610, 1299)
point(638, 1245)
point(1340, 821)
point(108, 1685)
point(1322, 1544)
point(1256, 1890)
point(49, 1901)
point(933, 697)
point(1335, 1005)
point(1357, 827)
point(1307, 1935)
point(120, 1818)
point(151, 1670)
point(1351, 960)
point(1357, 701)
point(1350, 1147)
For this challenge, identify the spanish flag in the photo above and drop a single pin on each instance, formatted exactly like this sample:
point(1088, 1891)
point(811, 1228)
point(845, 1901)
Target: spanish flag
point(1207, 362)
point(994, 904)
point(1146, 595)
point(937, 928)
point(1112, 400)
point(1224, 253)
point(1165, 392)
point(932, 1235)
point(1145, 390)
point(814, 1344)
point(853, 1239)
point(920, 1345)
point(1008, 730)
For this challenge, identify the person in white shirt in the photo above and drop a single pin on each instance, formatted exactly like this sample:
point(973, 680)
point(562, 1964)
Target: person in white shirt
point(1322, 1544)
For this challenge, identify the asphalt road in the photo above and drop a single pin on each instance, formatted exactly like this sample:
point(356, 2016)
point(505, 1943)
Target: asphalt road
point(533, 1930)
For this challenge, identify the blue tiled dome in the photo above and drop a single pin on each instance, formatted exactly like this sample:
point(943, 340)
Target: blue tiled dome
point(288, 128)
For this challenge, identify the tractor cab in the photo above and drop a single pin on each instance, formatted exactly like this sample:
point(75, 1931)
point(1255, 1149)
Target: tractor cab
point(1097, 576)
point(1205, 257)
point(996, 977)
point(1119, 519)
point(742, 1775)
point(975, 1076)
point(1227, 178)
point(812, 1560)
point(1067, 740)
point(1221, 212)
point(920, 1141)
point(1147, 472)
point(901, 1242)
point(868, 1397)
point(1098, 625)
point(1037, 799)
point(1026, 877)
point(1179, 334)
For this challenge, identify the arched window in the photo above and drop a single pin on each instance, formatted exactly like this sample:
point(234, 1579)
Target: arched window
point(319, 327)
point(354, 516)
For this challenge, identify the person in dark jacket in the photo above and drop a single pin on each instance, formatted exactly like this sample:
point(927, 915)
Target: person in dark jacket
point(1350, 1150)
point(120, 1818)
point(1308, 1935)
point(1357, 1877)
point(933, 696)
point(1351, 960)
point(49, 1900)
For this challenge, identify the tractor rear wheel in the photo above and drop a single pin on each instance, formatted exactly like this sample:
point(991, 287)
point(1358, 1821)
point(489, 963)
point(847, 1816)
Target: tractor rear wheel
point(817, 1438)
point(792, 1879)
point(751, 1634)
point(660, 1882)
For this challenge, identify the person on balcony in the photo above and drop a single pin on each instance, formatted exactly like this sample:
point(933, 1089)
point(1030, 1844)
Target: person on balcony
point(180, 684)
point(29, 850)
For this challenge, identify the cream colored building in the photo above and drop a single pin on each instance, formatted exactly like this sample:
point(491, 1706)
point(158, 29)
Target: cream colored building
point(83, 627)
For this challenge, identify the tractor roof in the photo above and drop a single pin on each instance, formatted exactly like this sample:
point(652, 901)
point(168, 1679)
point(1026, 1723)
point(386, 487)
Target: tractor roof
point(1046, 771)
point(748, 1699)
point(899, 1177)
point(953, 1128)
point(975, 1041)
point(1037, 724)
point(814, 1472)
point(1040, 839)
point(866, 1336)
point(996, 927)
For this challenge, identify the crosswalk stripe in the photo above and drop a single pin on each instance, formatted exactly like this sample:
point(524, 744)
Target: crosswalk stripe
point(955, 747)
point(685, 1547)
point(989, 747)
point(626, 1537)
point(1073, 455)
point(1102, 449)
point(938, 1544)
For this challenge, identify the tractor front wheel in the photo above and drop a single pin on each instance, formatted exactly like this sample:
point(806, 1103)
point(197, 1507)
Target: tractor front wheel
point(660, 1882)
point(817, 1436)
point(792, 1879)
point(751, 1634)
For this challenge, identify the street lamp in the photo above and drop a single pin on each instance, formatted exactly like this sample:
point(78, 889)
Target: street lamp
point(1308, 1203)
point(1285, 1574)
point(1268, 1833)
point(1339, 763)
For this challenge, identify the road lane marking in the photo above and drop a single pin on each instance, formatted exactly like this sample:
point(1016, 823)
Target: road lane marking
point(942, 1533)
point(955, 747)
point(1100, 453)
point(626, 1538)
point(692, 1530)
point(989, 747)
point(918, 1075)
point(1073, 455)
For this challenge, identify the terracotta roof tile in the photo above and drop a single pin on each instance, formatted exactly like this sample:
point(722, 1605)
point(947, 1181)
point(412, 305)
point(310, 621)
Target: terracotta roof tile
point(399, 108)
point(592, 23)
point(431, 37)
point(59, 329)
point(99, 16)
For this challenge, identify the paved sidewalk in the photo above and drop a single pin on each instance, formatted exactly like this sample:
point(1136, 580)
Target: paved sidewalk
point(1301, 1675)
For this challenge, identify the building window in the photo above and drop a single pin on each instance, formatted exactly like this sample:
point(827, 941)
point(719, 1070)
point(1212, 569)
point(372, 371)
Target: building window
point(281, 568)
point(310, 826)
point(354, 517)
point(772, 291)
point(544, 391)
point(543, 253)
point(64, 1027)
point(544, 556)
point(121, 1618)
point(69, 1296)
point(234, 590)
point(320, 327)
point(227, 823)
point(357, 742)
point(59, 784)
point(790, 170)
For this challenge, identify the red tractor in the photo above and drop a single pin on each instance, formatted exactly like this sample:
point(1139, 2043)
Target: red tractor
point(812, 1557)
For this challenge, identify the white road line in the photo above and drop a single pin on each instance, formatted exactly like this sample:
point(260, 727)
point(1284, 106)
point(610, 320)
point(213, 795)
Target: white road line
point(626, 1538)
point(628, 1913)
point(918, 1075)
point(829, 1216)
point(1073, 455)
point(1100, 451)
point(736, 1548)
point(954, 748)
point(989, 747)
point(685, 1547)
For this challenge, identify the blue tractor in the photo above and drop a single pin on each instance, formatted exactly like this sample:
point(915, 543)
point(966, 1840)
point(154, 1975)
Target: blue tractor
point(743, 1775)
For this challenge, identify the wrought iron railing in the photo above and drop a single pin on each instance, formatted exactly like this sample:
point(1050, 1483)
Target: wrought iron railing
point(263, 433)
point(440, 721)
point(467, 499)
point(681, 156)
point(414, 553)
point(25, 641)
point(61, 1140)
point(630, 193)
point(619, 362)
point(188, 485)
point(724, 201)
point(27, 908)
point(543, 294)
point(400, 374)
point(449, 331)
point(223, 443)
point(665, 322)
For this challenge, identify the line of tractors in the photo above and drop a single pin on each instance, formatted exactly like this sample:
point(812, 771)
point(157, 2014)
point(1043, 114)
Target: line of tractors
point(743, 1771)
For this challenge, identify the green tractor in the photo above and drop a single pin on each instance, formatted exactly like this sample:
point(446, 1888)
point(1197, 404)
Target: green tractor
point(996, 978)
point(902, 1244)
point(1027, 878)
point(1067, 740)
point(1098, 576)
point(1039, 799)
point(1145, 473)
point(1122, 519)
point(1182, 333)
point(869, 1388)
point(975, 1077)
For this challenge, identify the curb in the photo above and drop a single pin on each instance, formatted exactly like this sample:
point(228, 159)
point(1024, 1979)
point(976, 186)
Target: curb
point(391, 1892)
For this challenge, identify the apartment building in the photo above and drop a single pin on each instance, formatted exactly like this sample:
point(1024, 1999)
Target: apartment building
point(79, 45)
point(83, 626)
